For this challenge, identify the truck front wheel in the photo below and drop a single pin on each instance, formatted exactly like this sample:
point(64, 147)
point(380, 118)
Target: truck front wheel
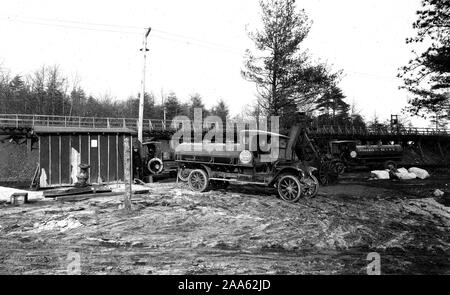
point(289, 188)
point(183, 174)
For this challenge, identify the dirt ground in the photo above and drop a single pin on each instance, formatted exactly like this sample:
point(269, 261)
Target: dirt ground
point(243, 230)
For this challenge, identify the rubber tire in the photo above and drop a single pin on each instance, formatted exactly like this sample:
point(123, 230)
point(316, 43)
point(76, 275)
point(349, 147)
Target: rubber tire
point(180, 176)
point(297, 182)
point(161, 168)
point(196, 173)
point(316, 191)
point(340, 167)
point(327, 175)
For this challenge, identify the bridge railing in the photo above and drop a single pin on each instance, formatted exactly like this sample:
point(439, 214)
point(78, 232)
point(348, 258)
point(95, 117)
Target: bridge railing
point(30, 121)
point(351, 130)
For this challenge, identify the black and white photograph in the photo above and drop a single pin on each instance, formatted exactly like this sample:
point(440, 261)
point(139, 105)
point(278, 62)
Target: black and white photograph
point(255, 138)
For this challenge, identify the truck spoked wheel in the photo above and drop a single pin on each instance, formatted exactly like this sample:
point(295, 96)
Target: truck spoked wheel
point(289, 188)
point(183, 174)
point(327, 174)
point(339, 167)
point(198, 180)
point(311, 187)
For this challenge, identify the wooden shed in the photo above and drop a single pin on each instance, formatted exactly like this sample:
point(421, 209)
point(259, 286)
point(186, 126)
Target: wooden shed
point(61, 150)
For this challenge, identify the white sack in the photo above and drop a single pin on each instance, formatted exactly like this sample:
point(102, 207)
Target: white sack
point(421, 173)
point(380, 174)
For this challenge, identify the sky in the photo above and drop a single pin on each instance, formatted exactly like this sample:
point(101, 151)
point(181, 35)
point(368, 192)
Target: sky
point(198, 46)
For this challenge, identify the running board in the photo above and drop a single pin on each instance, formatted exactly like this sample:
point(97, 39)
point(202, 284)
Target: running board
point(240, 182)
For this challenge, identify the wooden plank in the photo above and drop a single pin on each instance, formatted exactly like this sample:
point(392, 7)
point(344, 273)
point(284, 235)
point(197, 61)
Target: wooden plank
point(84, 149)
point(112, 159)
point(104, 156)
point(84, 153)
point(75, 191)
point(120, 174)
point(54, 160)
point(75, 142)
point(128, 173)
point(79, 198)
point(65, 159)
point(93, 158)
point(75, 145)
point(44, 154)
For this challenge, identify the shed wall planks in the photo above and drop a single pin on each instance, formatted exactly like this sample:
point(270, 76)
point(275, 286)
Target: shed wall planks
point(103, 151)
point(65, 159)
point(54, 160)
point(84, 153)
point(57, 150)
point(112, 159)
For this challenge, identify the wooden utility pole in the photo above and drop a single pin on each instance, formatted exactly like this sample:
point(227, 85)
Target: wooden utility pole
point(163, 104)
point(142, 96)
point(128, 173)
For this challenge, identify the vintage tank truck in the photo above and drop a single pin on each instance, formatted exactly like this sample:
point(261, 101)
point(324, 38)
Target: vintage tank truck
point(351, 153)
point(254, 160)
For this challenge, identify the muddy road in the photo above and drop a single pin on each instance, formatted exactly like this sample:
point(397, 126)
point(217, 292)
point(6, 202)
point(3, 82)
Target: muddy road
point(243, 230)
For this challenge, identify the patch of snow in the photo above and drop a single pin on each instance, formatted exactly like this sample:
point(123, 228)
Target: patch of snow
point(60, 225)
point(6, 192)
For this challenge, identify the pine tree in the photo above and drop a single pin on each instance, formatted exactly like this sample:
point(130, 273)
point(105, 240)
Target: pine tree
point(197, 103)
point(221, 110)
point(173, 106)
point(427, 76)
point(332, 107)
point(285, 77)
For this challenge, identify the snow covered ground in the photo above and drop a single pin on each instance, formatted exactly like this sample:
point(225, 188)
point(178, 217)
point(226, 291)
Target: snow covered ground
point(6, 192)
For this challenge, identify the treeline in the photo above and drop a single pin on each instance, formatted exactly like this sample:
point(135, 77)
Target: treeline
point(47, 92)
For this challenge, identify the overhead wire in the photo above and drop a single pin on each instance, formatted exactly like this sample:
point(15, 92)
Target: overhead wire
point(87, 26)
point(136, 30)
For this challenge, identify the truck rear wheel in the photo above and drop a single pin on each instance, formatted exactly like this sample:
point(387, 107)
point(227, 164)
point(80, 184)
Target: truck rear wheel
point(311, 186)
point(289, 188)
point(198, 180)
